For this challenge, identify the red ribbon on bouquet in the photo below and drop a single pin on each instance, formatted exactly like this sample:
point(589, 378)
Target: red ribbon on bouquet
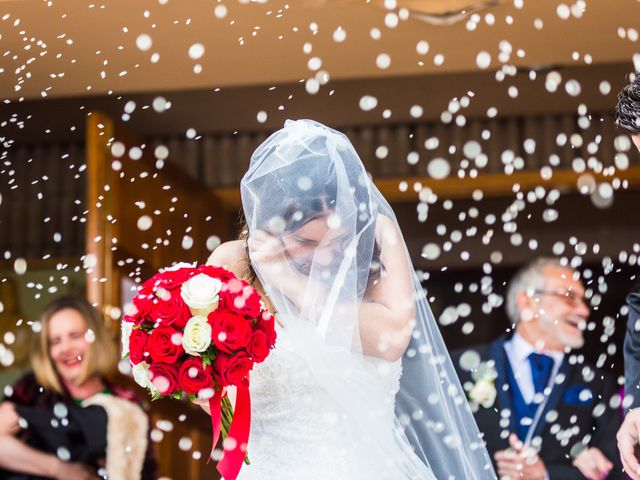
point(216, 419)
point(232, 459)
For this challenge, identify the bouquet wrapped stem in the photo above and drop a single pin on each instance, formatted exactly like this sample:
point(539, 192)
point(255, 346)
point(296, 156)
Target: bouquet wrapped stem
point(227, 417)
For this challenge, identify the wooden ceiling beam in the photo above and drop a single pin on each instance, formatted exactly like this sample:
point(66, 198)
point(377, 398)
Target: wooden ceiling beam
point(407, 189)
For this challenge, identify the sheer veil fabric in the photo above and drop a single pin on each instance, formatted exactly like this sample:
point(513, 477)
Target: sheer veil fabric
point(419, 427)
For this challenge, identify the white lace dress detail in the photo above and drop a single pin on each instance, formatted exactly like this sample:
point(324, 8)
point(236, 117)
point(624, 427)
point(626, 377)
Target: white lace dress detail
point(297, 429)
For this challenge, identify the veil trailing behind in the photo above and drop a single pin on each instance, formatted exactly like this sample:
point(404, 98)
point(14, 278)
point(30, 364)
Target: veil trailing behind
point(379, 394)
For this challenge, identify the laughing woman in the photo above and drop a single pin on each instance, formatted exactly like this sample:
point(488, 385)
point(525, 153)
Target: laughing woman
point(66, 420)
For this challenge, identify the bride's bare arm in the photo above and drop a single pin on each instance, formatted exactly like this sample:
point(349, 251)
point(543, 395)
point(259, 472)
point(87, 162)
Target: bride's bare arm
point(385, 316)
point(388, 308)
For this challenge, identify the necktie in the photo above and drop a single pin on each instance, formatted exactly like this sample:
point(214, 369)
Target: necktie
point(541, 366)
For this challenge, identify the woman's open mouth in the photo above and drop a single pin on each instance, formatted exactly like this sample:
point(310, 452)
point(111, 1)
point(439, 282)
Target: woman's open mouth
point(72, 361)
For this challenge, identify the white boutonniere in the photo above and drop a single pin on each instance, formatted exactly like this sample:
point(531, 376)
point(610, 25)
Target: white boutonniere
point(482, 391)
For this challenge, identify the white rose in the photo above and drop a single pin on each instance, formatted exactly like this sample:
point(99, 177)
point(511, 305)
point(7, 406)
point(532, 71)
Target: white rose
point(484, 393)
point(125, 332)
point(200, 293)
point(197, 336)
point(141, 375)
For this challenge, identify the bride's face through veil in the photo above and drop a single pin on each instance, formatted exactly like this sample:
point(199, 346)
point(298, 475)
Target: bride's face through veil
point(311, 214)
point(316, 239)
point(309, 235)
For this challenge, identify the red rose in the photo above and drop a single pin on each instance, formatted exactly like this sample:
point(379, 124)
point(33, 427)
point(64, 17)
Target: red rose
point(229, 332)
point(172, 279)
point(259, 346)
point(220, 273)
point(172, 311)
point(193, 377)
point(164, 378)
point(137, 343)
point(266, 324)
point(252, 305)
point(232, 370)
point(245, 303)
point(163, 344)
point(167, 280)
point(148, 286)
point(142, 305)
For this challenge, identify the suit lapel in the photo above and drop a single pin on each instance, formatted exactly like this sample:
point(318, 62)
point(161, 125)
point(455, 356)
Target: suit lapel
point(505, 399)
point(556, 394)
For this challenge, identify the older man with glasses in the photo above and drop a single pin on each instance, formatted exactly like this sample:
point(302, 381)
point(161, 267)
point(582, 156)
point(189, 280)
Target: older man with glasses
point(544, 412)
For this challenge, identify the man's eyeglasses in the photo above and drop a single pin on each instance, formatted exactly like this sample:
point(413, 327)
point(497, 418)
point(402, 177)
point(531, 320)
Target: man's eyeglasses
point(567, 295)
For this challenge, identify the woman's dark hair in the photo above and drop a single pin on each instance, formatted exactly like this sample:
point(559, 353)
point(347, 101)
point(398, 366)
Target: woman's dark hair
point(627, 115)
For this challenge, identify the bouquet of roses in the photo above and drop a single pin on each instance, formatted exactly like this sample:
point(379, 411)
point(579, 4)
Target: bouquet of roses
point(195, 331)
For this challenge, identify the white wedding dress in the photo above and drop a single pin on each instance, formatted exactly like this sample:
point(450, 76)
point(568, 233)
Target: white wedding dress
point(299, 432)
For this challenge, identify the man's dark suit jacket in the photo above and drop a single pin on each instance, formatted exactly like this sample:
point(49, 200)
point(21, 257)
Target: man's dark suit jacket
point(632, 350)
point(575, 418)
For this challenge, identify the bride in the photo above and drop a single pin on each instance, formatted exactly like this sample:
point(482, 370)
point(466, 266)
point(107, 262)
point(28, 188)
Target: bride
point(360, 385)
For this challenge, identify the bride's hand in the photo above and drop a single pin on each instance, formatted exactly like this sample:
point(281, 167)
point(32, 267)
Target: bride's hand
point(265, 247)
point(267, 251)
point(203, 404)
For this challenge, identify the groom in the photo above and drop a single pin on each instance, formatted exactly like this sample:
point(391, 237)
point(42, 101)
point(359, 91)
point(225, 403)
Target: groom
point(544, 413)
point(628, 120)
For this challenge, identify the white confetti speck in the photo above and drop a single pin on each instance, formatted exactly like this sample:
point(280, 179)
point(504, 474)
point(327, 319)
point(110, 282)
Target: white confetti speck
point(431, 251)
point(196, 51)
point(118, 149)
point(312, 86)
point(160, 104)
point(416, 111)
point(339, 35)
point(212, 242)
point(573, 88)
point(135, 153)
point(422, 47)
point(438, 168)
point(314, 64)
point(563, 11)
point(220, 11)
point(20, 266)
point(145, 222)
point(144, 42)
point(161, 152)
point(368, 103)
point(483, 60)
point(383, 61)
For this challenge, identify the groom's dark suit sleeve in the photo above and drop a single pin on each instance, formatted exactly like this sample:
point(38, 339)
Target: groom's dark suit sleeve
point(604, 431)
point(632, 349)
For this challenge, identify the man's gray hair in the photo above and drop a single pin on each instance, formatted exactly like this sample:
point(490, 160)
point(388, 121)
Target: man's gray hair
point(530, 277)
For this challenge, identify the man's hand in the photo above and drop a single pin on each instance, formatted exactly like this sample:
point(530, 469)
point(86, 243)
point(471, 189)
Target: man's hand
point(593, 464)
point(73, 471)
point(203, 404)
point(519, 462)
point(8, 419)
point(627, 442)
